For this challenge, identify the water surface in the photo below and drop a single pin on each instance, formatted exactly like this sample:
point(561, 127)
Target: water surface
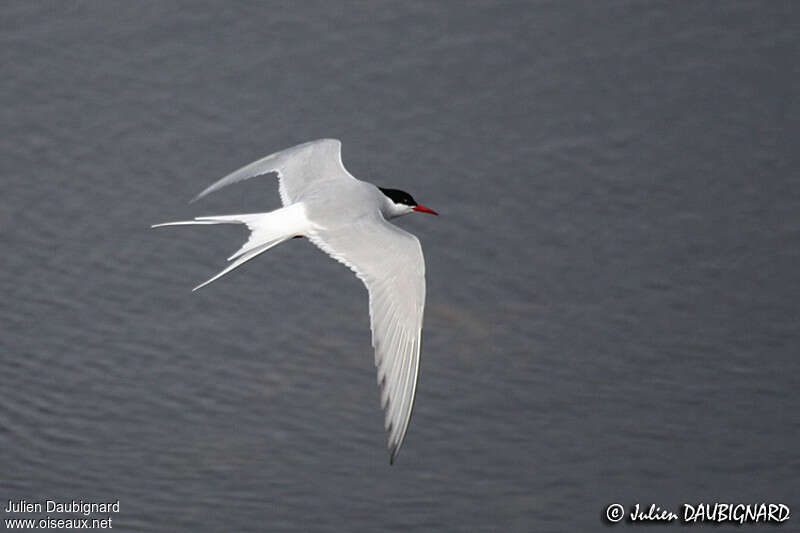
point(612, 286)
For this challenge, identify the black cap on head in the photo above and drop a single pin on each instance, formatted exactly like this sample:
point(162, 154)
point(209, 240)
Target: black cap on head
point(399, 197)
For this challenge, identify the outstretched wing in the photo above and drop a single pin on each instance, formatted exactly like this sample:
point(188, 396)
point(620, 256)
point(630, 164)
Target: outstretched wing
point(299, 168)
point(390, 263)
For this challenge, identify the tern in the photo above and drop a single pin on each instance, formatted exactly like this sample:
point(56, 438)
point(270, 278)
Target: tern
point(348, 219)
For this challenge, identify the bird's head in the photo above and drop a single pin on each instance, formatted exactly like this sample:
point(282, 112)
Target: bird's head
point(401, 203)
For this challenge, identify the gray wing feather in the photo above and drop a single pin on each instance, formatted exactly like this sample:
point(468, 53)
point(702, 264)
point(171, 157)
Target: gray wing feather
point(390, 263)
point(298, 168)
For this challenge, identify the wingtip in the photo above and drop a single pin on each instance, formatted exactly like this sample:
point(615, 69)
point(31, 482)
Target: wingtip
point(202, 285)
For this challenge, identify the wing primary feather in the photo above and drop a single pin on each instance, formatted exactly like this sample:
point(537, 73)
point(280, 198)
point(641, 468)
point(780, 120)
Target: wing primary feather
point(389, 262)
point(298, 165)
point(403, 378)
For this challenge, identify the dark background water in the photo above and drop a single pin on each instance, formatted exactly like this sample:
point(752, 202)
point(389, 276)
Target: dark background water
point(612, 286)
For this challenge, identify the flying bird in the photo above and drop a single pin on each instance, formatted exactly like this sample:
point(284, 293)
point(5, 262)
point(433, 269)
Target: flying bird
point(348, 219)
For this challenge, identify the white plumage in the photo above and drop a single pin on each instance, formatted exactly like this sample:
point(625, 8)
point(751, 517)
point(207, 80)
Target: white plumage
point(347, 219)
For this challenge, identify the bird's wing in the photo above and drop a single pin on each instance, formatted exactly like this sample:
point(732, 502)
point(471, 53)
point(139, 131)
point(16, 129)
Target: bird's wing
point(298, 169)
point(390, 263)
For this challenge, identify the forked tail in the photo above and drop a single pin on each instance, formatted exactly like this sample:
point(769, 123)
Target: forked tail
point(266, 230)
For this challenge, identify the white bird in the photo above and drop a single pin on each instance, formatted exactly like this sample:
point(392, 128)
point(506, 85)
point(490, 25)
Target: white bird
point(347, 219)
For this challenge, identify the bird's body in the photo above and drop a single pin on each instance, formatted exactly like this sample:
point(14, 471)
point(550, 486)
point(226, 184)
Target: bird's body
point(347, 219)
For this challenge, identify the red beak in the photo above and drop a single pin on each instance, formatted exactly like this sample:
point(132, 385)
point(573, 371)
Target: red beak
point(423, 209)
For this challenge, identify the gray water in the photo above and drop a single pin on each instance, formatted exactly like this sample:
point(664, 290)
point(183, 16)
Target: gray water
point(613, 281)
